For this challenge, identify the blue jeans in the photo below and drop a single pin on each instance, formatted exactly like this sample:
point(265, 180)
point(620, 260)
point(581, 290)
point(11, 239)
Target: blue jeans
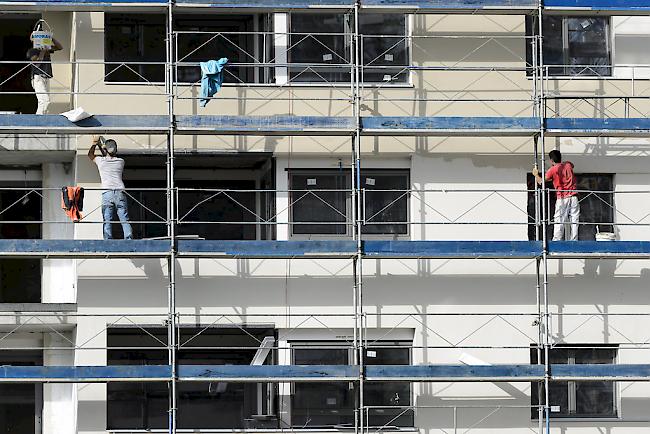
point(115, 200)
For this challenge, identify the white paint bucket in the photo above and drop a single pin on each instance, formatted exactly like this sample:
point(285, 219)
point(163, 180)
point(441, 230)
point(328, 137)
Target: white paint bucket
point(605, 236)
point(41, 37)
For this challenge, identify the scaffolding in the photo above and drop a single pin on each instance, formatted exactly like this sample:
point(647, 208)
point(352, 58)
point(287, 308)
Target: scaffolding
point(541, 122)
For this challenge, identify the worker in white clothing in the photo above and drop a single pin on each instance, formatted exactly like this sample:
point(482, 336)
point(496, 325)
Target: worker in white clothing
point(42, 73)
point(110, 168)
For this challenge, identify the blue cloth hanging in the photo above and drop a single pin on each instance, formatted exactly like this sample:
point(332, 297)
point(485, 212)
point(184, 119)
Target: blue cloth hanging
point(211, 79)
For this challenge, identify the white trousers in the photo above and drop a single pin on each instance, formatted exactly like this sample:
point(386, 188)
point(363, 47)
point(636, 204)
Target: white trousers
point(41, 86)
point(567, 209)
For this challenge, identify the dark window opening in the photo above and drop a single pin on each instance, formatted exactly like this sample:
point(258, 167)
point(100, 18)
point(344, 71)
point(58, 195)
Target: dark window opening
point(596, 205)
point(320, 197)
point(201, 405)
point(326, 405)
point(20, 279)
point(580, 46)
point(321, 202)
point(141, 38)
point(211, 204)
point(326, 39)
point(16, 77)
point(576, 399)
point(20, 403)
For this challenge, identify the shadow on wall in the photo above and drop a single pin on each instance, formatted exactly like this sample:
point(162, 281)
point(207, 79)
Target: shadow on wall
point(241, 289)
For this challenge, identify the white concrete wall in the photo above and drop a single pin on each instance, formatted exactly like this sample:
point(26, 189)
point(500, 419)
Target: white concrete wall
point(405, 295)
point(59, 278)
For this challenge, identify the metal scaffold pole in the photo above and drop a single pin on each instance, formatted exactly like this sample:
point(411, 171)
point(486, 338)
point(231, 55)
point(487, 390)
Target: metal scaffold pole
point(538, 229)
point(171, 221)
point(544, 222)
point(358, 215)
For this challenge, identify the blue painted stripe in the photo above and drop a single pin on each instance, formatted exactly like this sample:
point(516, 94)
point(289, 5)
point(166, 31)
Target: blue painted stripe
point(604, 248)
point(267, 249)
point(452, 249)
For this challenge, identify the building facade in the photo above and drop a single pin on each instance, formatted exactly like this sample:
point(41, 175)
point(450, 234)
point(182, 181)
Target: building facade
point(346, 237)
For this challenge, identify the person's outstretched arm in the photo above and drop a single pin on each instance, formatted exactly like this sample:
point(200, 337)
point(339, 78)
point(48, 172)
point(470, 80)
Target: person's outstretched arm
point(57, 45)
point(538, 177)
point(91, 151)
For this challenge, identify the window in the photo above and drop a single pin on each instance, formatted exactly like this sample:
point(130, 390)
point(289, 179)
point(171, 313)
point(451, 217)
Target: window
point(321, 202)
point(332, 404)
point(141, 38)
point(326, 39)
point(134, 38)
point(577, 399)
point(140, 406)
point(20, 279)
point(217, 198)
point(20, 403)
point(580, 46)
point(596, 209)
point(15, 77)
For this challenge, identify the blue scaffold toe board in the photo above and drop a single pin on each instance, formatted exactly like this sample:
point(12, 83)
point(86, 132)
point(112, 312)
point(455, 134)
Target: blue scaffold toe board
point(452, 249)
point(450, 126)
point(247, 373)
point(451, 6)
point(594, 127)
point(85, 374)
point(601, 372)
point(56, 124)
point(599, 249)
point(621, 6)
point(454, 373)
point(266, 125)
point(267, 249)
point(84, 248)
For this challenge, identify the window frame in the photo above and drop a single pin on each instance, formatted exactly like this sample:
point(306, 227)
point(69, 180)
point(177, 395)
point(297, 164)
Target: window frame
point(571, 385)
point(124, 355)
point(349, 30)
point(532, 29)
point(258, 72)
point(339, 344)
point(270, 80)
point(348, 203)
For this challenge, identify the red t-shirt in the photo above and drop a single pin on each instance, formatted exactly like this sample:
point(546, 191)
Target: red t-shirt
point(563, 179)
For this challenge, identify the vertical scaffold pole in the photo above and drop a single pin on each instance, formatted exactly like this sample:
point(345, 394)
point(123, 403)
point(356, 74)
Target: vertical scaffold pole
point(545, 206)
point(358, 215)
point(171, 220)
point(538, 229)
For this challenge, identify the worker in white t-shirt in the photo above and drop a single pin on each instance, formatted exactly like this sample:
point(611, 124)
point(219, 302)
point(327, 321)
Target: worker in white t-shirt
point(113, 198)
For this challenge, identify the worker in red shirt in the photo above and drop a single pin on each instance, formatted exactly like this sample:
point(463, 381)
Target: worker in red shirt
point(567, 207)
